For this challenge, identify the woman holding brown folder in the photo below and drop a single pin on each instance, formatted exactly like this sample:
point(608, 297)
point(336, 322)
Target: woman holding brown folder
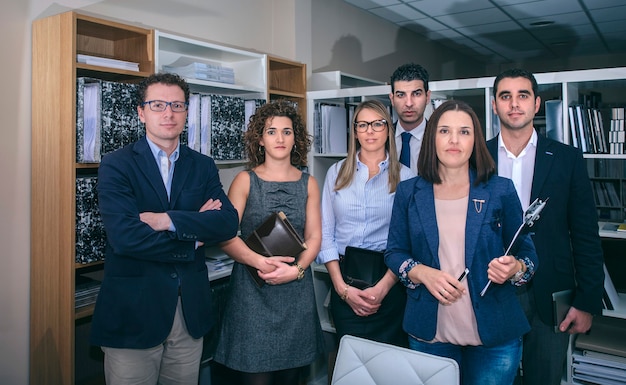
point(356, 209)
point(270, 332)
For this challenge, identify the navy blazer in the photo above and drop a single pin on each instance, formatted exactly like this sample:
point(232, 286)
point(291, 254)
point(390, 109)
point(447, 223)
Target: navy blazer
point(566, 236)
point(143, 268)
point(413, 233)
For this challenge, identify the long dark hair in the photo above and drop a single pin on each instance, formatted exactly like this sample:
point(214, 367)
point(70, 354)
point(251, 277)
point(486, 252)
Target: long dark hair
point(480, 160)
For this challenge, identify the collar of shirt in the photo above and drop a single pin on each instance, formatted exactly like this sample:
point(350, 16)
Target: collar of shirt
point(417, 132)
point(509, 154)
point(157, 152)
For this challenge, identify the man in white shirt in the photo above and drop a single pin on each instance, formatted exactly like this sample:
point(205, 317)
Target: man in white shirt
point(566, 236)
point(409, 97)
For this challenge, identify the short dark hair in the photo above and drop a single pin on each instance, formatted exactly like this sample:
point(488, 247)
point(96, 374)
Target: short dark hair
point(480, 160)
point(254, 133)
point(516, 73)
point(408, 72)
point(161, 78)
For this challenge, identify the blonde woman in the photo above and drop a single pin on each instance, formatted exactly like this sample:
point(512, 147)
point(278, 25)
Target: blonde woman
point(356, 209)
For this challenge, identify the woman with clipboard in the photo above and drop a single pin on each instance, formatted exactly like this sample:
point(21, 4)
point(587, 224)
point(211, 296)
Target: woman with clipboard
point(458, 215)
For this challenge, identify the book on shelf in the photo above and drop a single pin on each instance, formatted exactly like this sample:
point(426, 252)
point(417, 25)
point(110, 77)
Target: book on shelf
point(193, 122)
point(205, 124)
point(227, 121)
point(617, 136)
point(120, 121)
point(88, 123)
point(106, 118)
point(597, 369)
point(607, 335)
point(90, 239)
point(554, 120)
point(587, 129)
point(331, 125)
point(107, 62)
point(276, 236)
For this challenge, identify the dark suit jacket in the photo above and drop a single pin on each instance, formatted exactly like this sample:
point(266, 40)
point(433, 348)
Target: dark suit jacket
point(413, 234)
point(566, 235)
point(144, 269)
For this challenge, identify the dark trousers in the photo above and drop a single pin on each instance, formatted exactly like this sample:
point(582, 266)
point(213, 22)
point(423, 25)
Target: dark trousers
point(383, 326)
point(544, 351)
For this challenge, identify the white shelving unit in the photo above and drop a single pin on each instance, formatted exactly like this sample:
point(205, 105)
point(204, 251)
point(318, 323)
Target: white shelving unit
point(249, 67)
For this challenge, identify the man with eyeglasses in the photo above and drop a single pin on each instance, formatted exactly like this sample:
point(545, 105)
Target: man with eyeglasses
point(409, 97)
point(160, 204)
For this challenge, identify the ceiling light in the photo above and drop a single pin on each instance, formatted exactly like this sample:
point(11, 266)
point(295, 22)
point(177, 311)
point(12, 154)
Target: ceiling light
point(542, 23)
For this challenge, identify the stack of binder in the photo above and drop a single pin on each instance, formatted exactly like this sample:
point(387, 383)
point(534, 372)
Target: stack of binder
point(87, 290)
point(600, 356)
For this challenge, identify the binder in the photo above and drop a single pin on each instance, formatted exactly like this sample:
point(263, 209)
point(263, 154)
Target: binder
point(274, 237)
point(362, 268)
point(554, 120)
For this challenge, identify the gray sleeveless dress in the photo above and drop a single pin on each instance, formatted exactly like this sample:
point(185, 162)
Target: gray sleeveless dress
point(273, 327)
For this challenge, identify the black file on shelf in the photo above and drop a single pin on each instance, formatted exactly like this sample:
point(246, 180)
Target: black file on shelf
point(227, 125)
point(90, 234)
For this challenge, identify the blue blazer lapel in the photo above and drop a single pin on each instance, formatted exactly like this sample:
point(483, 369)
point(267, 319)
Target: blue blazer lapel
point(147, 165)
point(478, 206)
point(425, 207)
point(544, 160)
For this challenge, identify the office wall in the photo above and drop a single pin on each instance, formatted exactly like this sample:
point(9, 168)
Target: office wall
point(354, 41)
point(14, 192)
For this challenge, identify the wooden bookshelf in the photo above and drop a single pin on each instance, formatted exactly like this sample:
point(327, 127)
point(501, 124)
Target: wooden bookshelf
point(287, 80)
point(56, 42)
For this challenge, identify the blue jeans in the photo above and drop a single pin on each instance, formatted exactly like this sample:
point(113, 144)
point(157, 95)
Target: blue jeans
point(479, 365)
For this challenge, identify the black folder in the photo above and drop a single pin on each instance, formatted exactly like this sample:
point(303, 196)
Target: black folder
point(274, 237)
point(362, 268)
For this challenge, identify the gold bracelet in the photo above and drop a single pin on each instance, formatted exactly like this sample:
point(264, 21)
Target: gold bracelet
point(344, 296)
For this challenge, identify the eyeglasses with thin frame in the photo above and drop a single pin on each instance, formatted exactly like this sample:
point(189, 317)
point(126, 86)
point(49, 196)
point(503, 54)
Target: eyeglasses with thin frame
point(377, 125)
point(161, 105)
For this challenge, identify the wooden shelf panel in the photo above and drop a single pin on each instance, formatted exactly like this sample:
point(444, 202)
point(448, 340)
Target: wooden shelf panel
point(83, 312)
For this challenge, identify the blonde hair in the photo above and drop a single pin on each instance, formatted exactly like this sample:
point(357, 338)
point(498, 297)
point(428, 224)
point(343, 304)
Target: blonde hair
point(348, 168)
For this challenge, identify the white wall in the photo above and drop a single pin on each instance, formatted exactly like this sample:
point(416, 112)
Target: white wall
point(14, 192)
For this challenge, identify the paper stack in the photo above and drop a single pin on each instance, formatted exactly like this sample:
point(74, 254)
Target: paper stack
point(201, 70)
point(600, 356)
point(106, 62)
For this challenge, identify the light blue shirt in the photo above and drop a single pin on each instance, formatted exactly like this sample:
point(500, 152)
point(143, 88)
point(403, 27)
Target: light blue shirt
point(167, 173)
point(357, 215)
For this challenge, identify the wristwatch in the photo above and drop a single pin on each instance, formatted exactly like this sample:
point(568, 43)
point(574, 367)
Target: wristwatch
point(520, 273)
point(300, 271)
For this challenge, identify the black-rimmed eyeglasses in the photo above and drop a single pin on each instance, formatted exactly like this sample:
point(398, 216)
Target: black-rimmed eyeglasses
point(377, 125)
point(161, 105)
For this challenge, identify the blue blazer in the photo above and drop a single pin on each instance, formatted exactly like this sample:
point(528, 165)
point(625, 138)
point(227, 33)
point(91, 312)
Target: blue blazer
point(413, 233)
point(144, 269)
point(566, 237)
